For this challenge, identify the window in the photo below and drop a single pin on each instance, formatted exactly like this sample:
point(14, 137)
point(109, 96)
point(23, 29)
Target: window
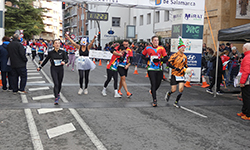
point(141, 20)
point(134, 21)
point(115, 22)
point(149, 18)
point(166, 16)
point(157, 17)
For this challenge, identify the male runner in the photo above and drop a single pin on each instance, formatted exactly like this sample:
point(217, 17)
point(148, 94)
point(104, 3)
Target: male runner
point(177, 62)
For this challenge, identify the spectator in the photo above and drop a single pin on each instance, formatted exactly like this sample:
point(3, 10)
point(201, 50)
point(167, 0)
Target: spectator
point(219, 75)
point(204, 49)
point(245, 72)
point(225, 59)
point(208, 56)
point(18, 62)
point(106, 48)
point(5, 68)
point(223, 47)
point(228, 45)
point(234, 67)
point(167, 48)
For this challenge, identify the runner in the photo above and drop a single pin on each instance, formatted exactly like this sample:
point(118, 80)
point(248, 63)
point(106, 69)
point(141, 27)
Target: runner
point(157, 54)
point(33, 49)
point(177, 62)
point(112, 70)
point(83, 51)
point(41, 47)
point(57, 59)
point(71, 52)
point(123, 68)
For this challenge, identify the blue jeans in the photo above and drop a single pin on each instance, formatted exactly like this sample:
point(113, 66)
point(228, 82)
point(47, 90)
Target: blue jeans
point(16, 73)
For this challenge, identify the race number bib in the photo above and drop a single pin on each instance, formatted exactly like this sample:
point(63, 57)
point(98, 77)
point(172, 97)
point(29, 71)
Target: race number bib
point(57, 62)
point(179, 78)
point(41, 47)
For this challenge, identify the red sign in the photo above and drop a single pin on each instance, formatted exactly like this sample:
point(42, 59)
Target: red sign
point(73, 36)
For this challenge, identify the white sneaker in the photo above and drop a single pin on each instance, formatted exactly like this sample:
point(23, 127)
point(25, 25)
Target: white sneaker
point(104, 92)
point(117, 95)
point(85, 91)
point(80, 91)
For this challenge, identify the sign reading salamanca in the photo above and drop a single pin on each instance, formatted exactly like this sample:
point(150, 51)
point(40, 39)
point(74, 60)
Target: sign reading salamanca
point(158, 4)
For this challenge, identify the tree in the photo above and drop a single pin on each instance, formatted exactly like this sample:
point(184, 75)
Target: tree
point(23, 17)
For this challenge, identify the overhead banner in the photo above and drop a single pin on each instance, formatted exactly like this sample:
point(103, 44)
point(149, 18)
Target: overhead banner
point(161, 4)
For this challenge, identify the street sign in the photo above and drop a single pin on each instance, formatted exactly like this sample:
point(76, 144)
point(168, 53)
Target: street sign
point(97, 16)
point(73, 36)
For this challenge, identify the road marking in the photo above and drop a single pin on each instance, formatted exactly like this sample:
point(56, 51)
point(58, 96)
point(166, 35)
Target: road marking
point(43, 97)
point(34, 73)
point(48, 110)
point(39, 89)
point(33, 82)
point(35, 137)
point(31, 71)
point(60, 130)
point(193, 112)
point(99, 145)
point(34, 78)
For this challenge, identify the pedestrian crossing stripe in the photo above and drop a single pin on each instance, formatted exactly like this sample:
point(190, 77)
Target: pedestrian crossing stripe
point(60, 130)
point(43, 97)
point(34, 73)
point(39, 89)
point(36, 82)
point(34, 78)
point(48, 110)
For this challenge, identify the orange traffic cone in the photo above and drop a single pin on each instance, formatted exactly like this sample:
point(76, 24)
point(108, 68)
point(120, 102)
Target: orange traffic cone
point(146, 75)
point(164, 77)
point(204, 83)
point(136, 72)
point(1, 84)
point(94, 60)
point(100, 62)
point(187, 84)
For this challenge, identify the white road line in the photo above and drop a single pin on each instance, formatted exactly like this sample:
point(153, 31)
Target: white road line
point(60, 130)
point(35, 137)
point(34, 78)
point(193, 112)
point(30, 74)
point(31, 71)
point(33, 82)
point(43, 97)
point(39, 89)
point(99, 145)
point(48, 110)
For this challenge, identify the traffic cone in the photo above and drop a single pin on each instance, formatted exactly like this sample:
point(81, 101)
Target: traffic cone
point(100, 62)
point(146, 75)
point(1, 84)
point(136, 72)
point(94, 60)
point(204, 82)
point(164, 77)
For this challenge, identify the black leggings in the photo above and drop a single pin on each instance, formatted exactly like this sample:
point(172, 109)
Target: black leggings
point(111, 74)
point(219, 81)
point(33, 54)
point(41, 56)
point(86, 78)
point(57, 76)
point(155, 78)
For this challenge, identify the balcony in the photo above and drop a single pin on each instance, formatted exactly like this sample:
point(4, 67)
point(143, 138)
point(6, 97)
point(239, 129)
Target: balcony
point(48, 30)
point(67, 15)
point(46, 5)
point(73, 24)
point(48, 22)
point(73, 13)
point(66, 25)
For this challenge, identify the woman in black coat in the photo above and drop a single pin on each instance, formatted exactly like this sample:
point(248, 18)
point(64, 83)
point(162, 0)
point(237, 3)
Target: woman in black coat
point(212, 74)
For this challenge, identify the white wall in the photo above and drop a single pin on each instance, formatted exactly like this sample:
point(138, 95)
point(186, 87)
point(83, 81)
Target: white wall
point(2, 8)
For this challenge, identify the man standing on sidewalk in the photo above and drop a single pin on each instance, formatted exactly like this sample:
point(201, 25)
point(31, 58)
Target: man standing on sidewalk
point(18, 62)
point(245, 72)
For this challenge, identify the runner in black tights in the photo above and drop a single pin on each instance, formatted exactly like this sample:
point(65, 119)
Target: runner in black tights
point(57, 59)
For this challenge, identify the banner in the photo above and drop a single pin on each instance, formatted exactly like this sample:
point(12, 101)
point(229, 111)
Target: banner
point(100, 54)
point(242, 9)
point(192, 45)
point(185, 16)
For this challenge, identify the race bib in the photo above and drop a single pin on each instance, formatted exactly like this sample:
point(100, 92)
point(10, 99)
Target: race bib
point(41, 47)
point(179, 78)
point(34, 47)
point(57, 62)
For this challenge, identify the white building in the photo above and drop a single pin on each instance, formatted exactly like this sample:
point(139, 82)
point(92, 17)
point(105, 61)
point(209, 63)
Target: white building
point(147, 23)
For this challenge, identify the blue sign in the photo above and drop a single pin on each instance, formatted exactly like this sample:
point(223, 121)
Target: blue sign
point(193, 59)
point(111, 32)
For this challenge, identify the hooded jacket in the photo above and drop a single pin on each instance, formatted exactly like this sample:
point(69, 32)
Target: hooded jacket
point(245, 68)
point(4, 57)
point(17, 54)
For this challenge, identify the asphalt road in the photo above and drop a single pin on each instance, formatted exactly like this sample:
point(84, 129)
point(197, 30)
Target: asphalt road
point(89, 122)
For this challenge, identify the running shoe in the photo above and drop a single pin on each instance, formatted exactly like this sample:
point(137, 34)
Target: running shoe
point(85, 91)
point(241, 114)
point(58, 96)
point(167, 96)
point(154, 103)
point(219, 93)
point(73, 70)
point(56, 101)
point(80, 91)
point(22, 92)
point(119, 92)
point(176, 104)
point(104, 92)
point(117, 95)
point(245, 117)
point(209, 91)
point(129, 94)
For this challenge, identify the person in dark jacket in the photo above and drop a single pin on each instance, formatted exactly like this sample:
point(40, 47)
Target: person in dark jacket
point(5, 68)
point(212, 74)
point(18, 62)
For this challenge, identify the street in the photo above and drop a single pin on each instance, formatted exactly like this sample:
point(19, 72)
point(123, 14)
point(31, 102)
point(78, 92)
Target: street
point(88, 122)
